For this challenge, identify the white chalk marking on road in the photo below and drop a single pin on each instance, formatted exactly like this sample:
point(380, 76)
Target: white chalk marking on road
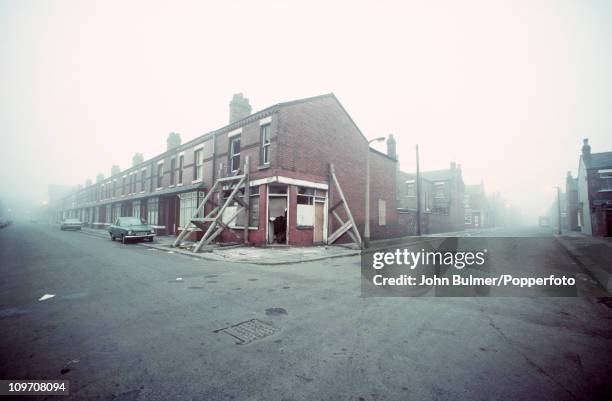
point(46, 296)
point(179, 279)
point(170, 252)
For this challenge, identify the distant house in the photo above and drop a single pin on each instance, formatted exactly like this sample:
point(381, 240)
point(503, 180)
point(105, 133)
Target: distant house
point(442, 199)
point(594, 211)
point(475, 206)
point(570, 206)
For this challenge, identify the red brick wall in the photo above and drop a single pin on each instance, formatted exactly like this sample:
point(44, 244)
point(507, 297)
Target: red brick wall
point(313, 134)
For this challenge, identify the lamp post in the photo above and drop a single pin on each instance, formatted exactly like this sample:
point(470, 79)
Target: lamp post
point(366, 231)
point(558, 210)
point(418, 192)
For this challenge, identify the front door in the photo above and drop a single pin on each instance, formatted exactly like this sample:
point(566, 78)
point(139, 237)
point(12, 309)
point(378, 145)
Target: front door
point(319, 222)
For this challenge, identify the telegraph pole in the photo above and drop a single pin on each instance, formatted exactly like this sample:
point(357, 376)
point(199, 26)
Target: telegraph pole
point(559, 210)
point(418, 192)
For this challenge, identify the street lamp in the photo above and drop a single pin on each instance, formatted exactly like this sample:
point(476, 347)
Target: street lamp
point(558, 210)
point(366, 231)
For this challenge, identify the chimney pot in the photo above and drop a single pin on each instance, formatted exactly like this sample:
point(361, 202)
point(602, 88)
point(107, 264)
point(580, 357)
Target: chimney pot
point(239, 108)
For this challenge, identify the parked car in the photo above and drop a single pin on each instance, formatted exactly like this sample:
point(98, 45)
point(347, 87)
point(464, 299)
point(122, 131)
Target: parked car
point(71, 224)
point(127, 228)
point(4, 222)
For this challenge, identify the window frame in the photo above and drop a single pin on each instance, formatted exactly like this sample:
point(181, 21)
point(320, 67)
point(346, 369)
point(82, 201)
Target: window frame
point(172, 171)
point(198, 164)
point(160, 175)
point(181, 164)
point(264, 151)
point(232, 155)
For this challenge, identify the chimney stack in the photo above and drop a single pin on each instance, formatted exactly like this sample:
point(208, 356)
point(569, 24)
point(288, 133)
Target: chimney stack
point(391, 147)
point(239, 108)
point(115, 170)
point(586, 150)
point(137, 159)
point(173, 141)
point(453, 165)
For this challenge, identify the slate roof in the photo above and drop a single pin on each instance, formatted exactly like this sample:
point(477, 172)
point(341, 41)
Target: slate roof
point(601, 160)
point(435, 175)
point(438, 175)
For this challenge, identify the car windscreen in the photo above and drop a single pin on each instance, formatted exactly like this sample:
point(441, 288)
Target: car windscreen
point(131, 222)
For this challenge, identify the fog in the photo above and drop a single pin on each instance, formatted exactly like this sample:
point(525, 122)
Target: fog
point(506, 89)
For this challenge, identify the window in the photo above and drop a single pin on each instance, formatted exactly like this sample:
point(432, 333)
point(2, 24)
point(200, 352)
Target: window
point(605, 180)
point(117, 210)
point(136, 209)
point(439, 190)
point(114, 188)
point(189, 205)
point(305, 207)
point(151, 180)
point(234, 154)
point(123, 188)
point(107, 215)
point(180, 169)
point(253, 208)
point(264, 156)
point(305, 196)
point(198, 164)
point(382, 212)
point(468, 219)
point(172, 170)
point(160, 174)
point(410, 189)
point(143, 178)
point(152, 211)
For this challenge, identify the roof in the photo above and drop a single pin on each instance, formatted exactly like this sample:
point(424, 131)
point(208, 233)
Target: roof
point(438, 175)
point(601, 160)
point(236, 124)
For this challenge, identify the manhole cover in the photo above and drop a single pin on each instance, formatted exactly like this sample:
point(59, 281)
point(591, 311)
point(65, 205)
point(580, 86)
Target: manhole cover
point(249, 331)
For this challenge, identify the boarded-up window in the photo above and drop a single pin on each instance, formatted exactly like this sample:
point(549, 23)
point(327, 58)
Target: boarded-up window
point(227, 215)
point(382, 212)
point(305, 207)
point(305, 215)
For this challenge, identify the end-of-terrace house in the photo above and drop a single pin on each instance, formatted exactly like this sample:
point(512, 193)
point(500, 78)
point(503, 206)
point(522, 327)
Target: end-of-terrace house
point(289, 148)
point(442, 200)
point(595, 192)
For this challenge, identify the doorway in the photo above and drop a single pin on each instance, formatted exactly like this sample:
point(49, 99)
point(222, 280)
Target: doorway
point(278, 214)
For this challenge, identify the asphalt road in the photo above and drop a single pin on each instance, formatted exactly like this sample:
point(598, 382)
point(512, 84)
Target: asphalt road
point(121, 327)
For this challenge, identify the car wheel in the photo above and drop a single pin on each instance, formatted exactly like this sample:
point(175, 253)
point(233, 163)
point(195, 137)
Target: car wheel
point(112, 237)
point(150, 239)
point(123, 239)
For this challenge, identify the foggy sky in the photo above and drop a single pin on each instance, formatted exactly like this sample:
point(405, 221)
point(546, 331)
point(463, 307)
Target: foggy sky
point(506, 89)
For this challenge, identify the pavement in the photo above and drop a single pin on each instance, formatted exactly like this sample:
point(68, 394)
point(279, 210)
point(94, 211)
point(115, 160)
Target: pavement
point(130, 323)
point(275, 255)
point(592, 253)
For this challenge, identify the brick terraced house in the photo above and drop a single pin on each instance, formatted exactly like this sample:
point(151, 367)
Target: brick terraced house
point(442, 200)
point(594, 211)
point(289, 146)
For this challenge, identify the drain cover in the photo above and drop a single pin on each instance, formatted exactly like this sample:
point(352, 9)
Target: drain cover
point(249, 331)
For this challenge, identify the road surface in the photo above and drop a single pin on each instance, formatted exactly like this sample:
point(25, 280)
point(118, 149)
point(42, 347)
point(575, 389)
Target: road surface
point(122, 327)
